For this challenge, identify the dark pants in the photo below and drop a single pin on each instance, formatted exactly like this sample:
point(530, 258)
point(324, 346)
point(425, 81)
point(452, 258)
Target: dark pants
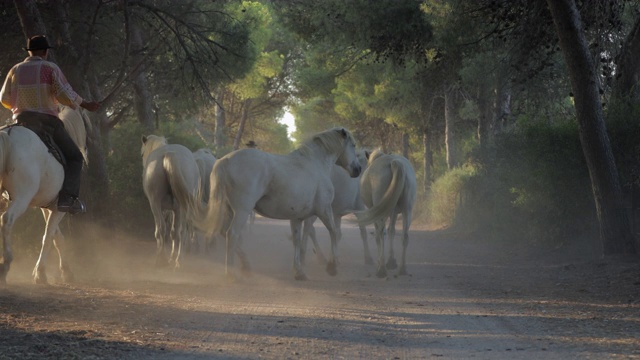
point(47, 124)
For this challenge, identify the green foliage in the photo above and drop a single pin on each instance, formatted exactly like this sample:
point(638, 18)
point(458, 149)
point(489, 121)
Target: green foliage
point(536, 188)
point(624, 131)
point(124, 165)
point(391, 29)
point(446, 195)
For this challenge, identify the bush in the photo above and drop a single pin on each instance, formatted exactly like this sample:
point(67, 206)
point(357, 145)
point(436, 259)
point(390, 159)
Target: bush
point(536, 188)
point(446, 195)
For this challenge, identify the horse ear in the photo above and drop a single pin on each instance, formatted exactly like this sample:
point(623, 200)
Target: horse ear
point(144, 139)
point(367, 153)
point(343, 131)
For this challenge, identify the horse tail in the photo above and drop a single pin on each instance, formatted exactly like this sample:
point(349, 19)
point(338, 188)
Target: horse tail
point(212, 216)
point(181, 190)
point(4, 151)
point(390, 198)
point(204, 185)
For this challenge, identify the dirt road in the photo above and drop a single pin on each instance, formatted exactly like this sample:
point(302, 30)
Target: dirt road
point(465, 298)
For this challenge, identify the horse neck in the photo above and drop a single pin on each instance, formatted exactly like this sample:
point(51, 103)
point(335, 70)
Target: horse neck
point(148, 149)
point(319, 154)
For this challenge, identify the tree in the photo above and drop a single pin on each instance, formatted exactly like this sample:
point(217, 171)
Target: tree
point(615, 230)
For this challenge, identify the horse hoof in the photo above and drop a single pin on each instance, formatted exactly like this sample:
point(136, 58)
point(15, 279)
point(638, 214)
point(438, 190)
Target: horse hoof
point(331, 268)
point(301, 277)
point(67, 277)
point(40, 279)
point(321, 260)
point(392, 264)
point(162, 263)
point(246, 271)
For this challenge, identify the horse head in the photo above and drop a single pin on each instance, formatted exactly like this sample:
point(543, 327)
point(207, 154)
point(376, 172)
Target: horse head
point(150, 143)
point(348, 159)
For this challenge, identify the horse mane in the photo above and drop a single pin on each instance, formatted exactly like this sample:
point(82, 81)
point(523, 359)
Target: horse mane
point(376, 153)
point(151, 142)
point(205, 150)
point(330, 140)
point(76, 126)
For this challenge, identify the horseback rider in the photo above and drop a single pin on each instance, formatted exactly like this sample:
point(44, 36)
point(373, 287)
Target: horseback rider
point(32, 90)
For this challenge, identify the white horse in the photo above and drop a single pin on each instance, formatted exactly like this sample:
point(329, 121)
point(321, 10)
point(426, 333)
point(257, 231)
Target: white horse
point(32, 177)
point(288, 187)
point(205, 161)
point(388, 187)
point(347, 199)
point(170, 179)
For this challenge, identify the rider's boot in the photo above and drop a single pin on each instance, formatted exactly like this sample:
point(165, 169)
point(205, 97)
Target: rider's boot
point(70, 204)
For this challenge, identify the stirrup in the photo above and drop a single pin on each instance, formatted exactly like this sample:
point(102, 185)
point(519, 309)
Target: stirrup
point(76, 207)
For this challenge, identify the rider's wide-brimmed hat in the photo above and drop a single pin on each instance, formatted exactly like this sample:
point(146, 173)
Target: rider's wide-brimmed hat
point(38, 42)
point(251, 143)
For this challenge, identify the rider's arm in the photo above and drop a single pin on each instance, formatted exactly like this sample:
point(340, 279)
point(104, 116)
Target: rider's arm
point(5, 93)
point(62, 89)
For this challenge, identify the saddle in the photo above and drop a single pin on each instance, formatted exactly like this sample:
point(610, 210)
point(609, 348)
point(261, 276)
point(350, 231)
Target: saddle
point(45, 136)
point(48, 141)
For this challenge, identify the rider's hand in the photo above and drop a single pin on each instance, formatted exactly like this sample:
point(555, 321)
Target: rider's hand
point(91, 106)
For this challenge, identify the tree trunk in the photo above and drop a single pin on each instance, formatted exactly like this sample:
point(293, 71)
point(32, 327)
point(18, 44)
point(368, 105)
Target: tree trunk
point(220, 124)
point(449, 141)
point(30, 18)
point(484, 119)
point(427, 159)
point(615, 230)
point(502, 106)
point(143, 99)
point(405, 145)
point(625, 86)
point(246, 106)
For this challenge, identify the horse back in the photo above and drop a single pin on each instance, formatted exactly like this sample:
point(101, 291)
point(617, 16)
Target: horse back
point(159, 170)
point(278, 186)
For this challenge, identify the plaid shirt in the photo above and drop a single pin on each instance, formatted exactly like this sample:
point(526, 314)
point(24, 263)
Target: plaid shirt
point(37, 85)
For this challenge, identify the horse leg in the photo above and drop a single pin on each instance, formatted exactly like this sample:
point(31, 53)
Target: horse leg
point(368, 260)
point(406, 222)
point(52, 220)
point(180, 231)
point(7, 220)
point(233, 229)
point(174, 235)
point(327, 220)
point(59, 243)
point(296, 226)
point(392, 263)
point(306, 233)
point(309, 231)
point(244, 262)
point(382, 270)
point(161, 235)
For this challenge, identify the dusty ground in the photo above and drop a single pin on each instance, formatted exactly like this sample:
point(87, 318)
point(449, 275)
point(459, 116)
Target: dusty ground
point(465, 298)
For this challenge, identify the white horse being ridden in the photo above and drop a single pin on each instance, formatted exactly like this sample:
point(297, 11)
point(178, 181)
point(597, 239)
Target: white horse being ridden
point(170, 179)
point(346, 200)
point(32, 177)
point(388, 187)
point(293, 186)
